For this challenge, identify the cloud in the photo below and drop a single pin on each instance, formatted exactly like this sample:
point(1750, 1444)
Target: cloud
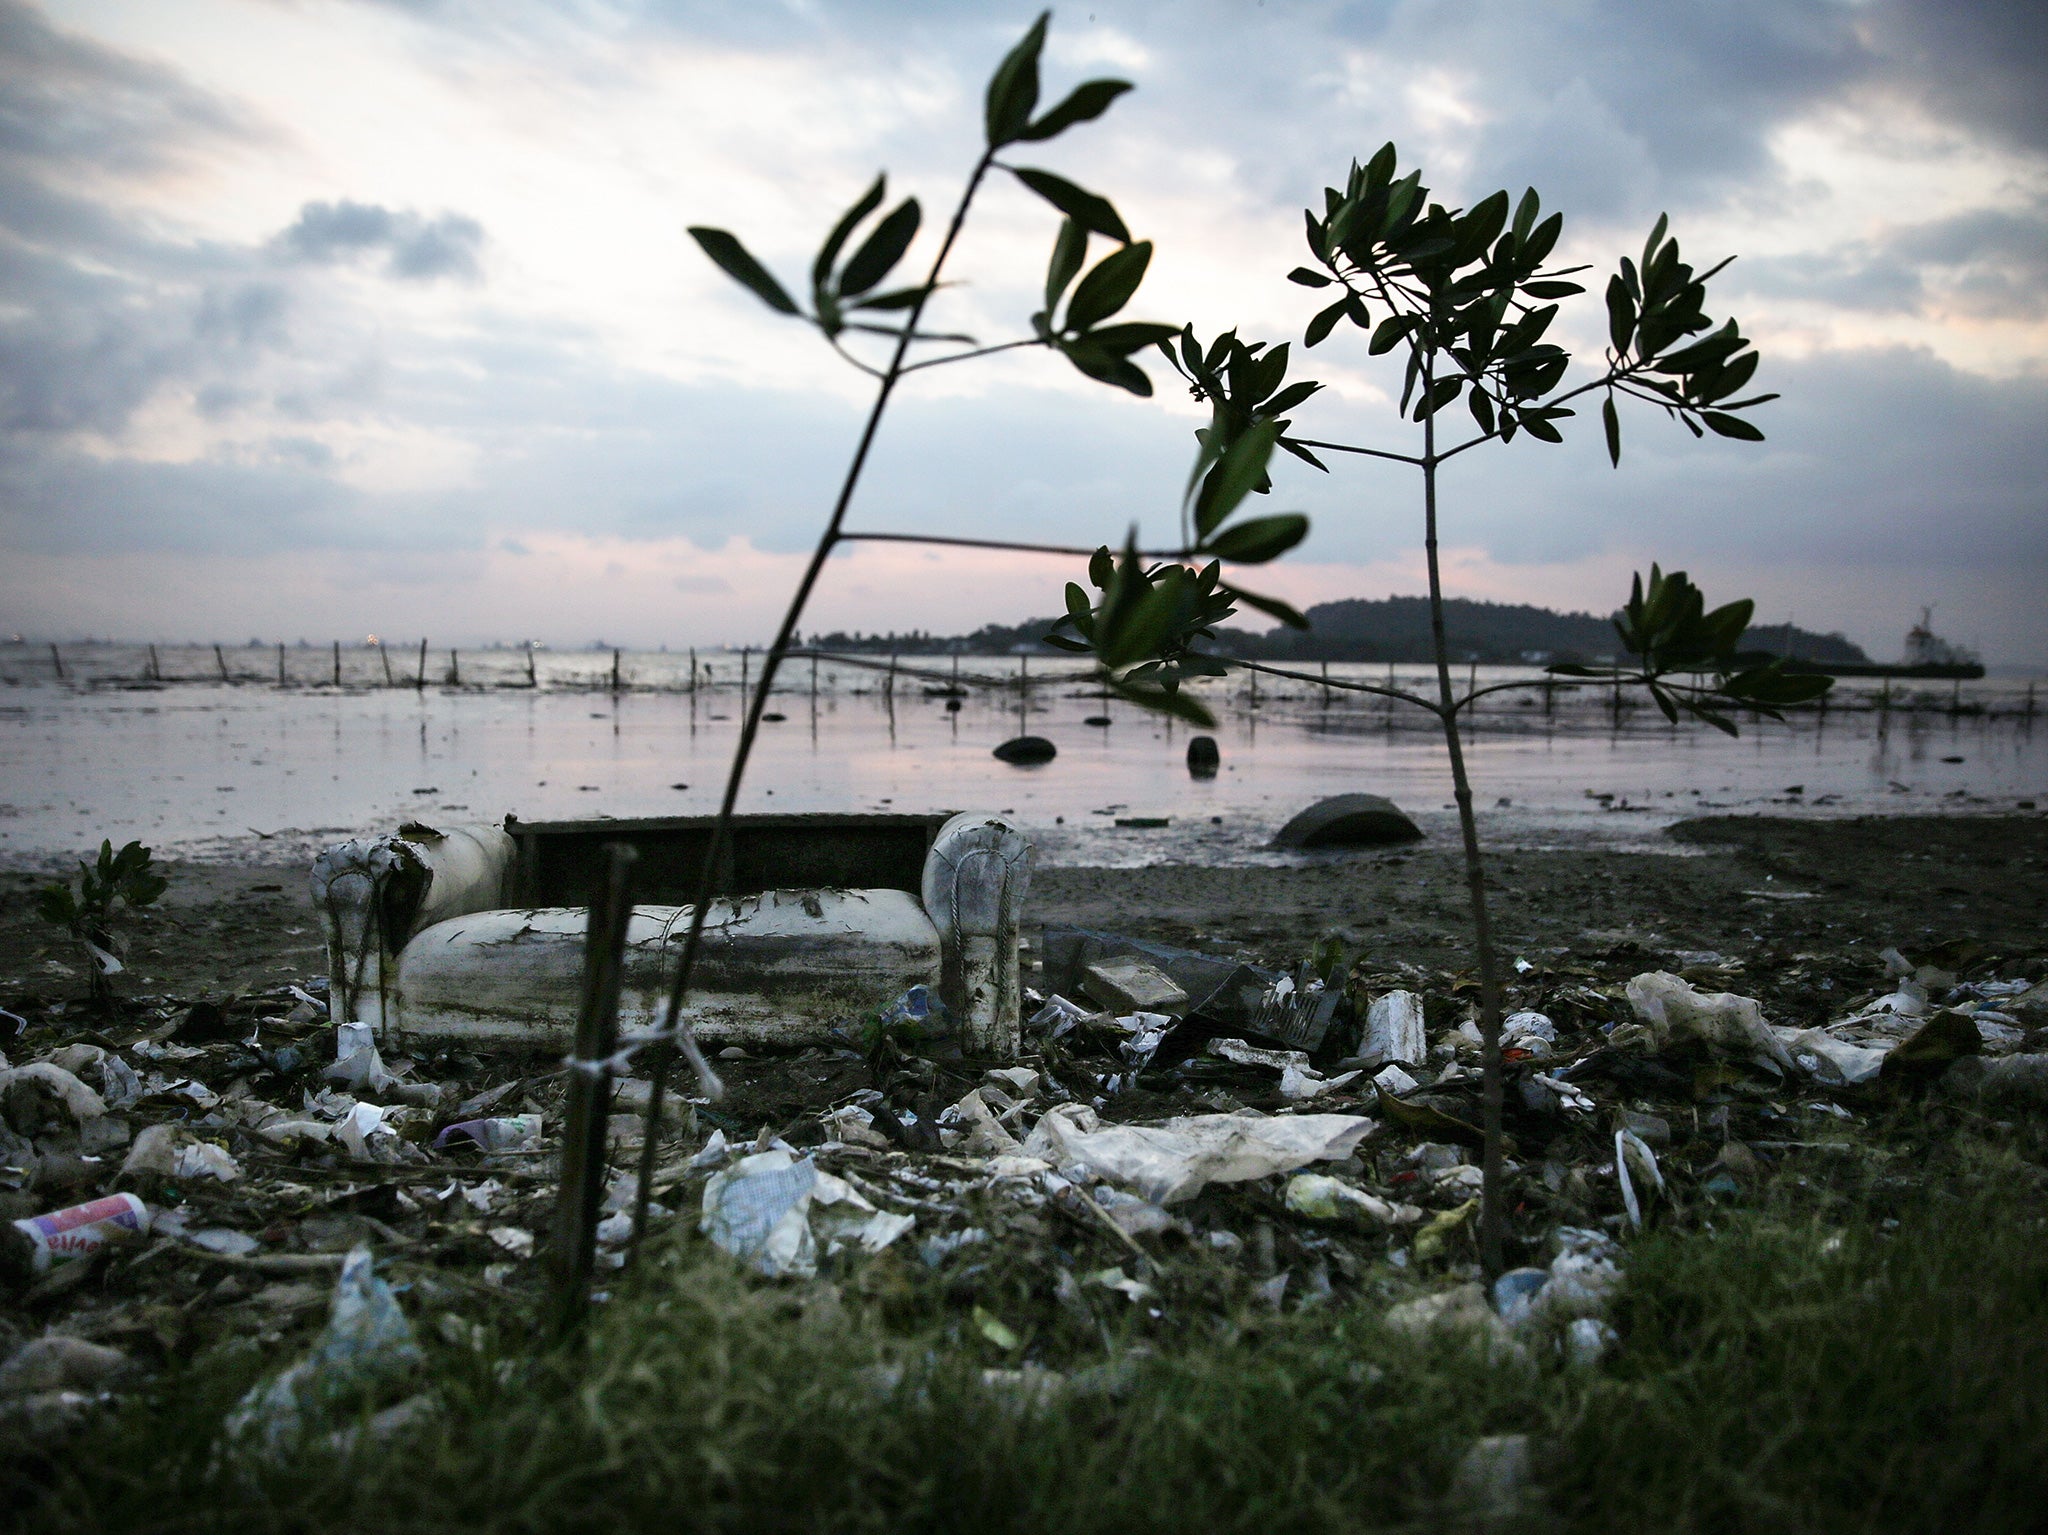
point(414, 248)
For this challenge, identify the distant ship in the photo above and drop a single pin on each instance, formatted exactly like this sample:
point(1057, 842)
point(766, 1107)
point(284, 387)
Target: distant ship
point(1927, 655)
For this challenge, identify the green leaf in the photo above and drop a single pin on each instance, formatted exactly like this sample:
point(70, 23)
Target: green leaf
point(881, 250)
point(1525, 214)
point(1309, 278)
point(1242, 467)
point(1389, 334)
point(1259, 539)
point(1131, 336)
point(1550, 289)
point(1108, 285)
point(1101, 568)
point(1107, 367)
point(1161, 700)
point(1725, 425)
point(733, 260)
point(1013, 88)
point(1069, 250)
point(1075, 202)
point(1272, 607)
point(1303, 454)
point(1084, 103)
point(1621, 314)
point(1541, 429)
point(900, 298)
point(1293, 395)
point(869, 201)
point(1325, 322)
point(1611, 420)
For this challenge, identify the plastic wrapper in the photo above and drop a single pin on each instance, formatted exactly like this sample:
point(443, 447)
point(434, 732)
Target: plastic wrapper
point(1175, 1161)
point(1674, 1011)
point(367, 1346)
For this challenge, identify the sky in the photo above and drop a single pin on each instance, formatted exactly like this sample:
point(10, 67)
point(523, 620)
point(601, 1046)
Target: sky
point(322, 319)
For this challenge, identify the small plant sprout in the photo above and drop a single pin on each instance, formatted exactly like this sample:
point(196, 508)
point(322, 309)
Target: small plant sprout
point(1465, 300)
point(851, 303)
point(124, 879)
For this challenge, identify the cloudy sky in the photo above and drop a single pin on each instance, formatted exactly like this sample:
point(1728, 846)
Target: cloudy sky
point(324, 319)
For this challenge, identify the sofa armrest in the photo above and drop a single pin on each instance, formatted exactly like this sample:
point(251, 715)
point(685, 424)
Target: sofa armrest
point(975, 880)
point(374, 893)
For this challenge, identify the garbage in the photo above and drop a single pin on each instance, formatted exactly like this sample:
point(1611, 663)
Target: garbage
point(514, 1132)
point(58, 1363)
point(1057, 1018)
point(1635, 1164)
point(1323, 1198)
point(1491, 1487)
point(367, 1346)
point(1529, 1032)
point(1133, 986)
point(47, 1080)
point(2013, 1081)
point(33, 1244)
point(1147, 1032)
point(1675, 1011)
point(759, 1211)
point(172, 1151)
point(1175, 1161)
point(1393, 1031)
point(357, 1063)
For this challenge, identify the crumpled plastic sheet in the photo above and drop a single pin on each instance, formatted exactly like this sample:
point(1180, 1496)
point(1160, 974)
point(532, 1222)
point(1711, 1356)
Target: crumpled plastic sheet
point(1674, 1010)
point(760, 1210)
point(367, 1345)
point(1175, 1161)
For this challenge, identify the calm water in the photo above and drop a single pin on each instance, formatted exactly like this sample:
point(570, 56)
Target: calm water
point(249, 768)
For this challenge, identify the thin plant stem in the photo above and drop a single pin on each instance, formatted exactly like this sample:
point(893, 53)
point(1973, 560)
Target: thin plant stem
point(1340, 684)
point(980, 351)
point(948, 540)
point(1341, 447)
point(1491, 1247)
point(721, 830)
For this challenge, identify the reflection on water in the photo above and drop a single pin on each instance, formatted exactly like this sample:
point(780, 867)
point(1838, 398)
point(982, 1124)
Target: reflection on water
point(216, 769)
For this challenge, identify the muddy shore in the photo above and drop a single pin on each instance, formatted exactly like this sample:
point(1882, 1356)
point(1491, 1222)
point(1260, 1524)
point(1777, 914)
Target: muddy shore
point(1746, 887)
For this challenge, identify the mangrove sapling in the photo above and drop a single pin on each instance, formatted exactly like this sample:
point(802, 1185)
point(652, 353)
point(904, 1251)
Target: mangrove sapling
point(847, 304)
point(123, 879)
point(1466, 297)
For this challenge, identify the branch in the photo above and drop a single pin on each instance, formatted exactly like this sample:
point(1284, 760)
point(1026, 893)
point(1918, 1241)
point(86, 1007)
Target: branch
point(1504, 687)
point(1000, 543)
point(1333, 682)
point(980, 351)
point(1339, 447)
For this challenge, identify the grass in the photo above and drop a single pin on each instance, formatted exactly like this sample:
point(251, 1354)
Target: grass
point(1800, 1363)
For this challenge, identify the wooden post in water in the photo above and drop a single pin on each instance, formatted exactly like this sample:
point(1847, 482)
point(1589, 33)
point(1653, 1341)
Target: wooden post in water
point(454, 670)
point(221, 662)
point(889, 682)
point(419, 681)
point(156, 671)
point(2030, 700)
point(280, 663)
point(1023, 693)
point(615, 672)
point(1255, 689)
point(384, 655)
point(814, 679)
point(1326, 684)
point(337, 663)
point(588, 1109)
point(532, 675)
point(57, 660)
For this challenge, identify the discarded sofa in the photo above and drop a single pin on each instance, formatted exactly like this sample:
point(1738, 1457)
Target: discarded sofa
point(426, 942)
